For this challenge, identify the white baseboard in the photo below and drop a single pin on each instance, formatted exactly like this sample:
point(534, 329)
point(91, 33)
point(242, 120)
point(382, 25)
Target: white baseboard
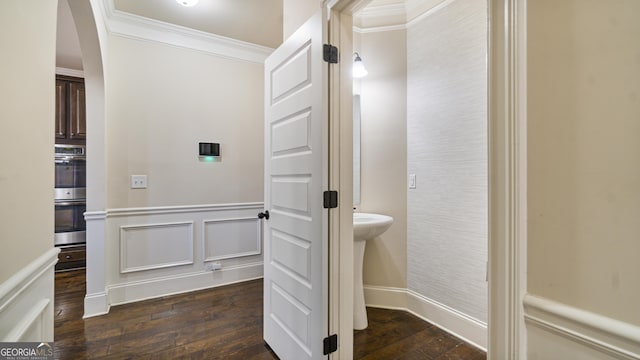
point(458, 324)
point(454, 322)
point(157, 287)
point(26, 301)
point(560, 331)
point(96, 305)
point(385, 297)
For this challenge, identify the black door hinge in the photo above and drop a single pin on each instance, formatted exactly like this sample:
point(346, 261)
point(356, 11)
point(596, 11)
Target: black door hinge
point(330, 54)
point(330, 344)
point(330, 199)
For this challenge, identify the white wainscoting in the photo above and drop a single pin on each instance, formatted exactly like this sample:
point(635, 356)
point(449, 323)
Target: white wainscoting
point(452, 321)
point(154, 252)
point(559, 331)
point(26, 301)
point(155, 246)
point(218, 238)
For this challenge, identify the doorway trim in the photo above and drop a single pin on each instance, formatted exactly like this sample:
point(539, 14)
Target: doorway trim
point(341, 176)
point(507, 131)
point(507, 174)
point(89, 22)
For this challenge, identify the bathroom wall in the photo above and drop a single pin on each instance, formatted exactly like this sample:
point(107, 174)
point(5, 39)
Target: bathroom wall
point(447, 150)
point(384, 153)
point(583, 174)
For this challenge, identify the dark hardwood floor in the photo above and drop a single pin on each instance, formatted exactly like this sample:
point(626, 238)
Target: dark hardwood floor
point(221, 323)
point(394, 334)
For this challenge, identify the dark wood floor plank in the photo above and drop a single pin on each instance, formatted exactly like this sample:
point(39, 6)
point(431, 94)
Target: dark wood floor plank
point(221, 323)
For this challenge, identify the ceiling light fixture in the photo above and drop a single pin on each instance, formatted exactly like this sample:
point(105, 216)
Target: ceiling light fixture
point(187, 3)
point(358, 70)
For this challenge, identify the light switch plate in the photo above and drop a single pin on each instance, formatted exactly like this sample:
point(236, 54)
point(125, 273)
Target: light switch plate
point(138, 181)
point(412, 181)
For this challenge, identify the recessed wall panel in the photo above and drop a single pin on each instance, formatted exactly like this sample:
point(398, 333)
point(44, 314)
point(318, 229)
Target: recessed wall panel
point(231, 238)
point(291, 193)
point(154, 246)
point(292, 75)
point(292, 315)
point(291, 135)
point(293, 254)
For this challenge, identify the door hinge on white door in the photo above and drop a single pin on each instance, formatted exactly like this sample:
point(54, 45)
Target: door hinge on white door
point(330, 199)
point(330, 54)
point(330, 344)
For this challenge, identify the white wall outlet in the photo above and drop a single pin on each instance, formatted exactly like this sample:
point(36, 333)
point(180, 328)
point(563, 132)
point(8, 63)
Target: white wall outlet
point(138, 181)
point(412, 181)
point(212, 266)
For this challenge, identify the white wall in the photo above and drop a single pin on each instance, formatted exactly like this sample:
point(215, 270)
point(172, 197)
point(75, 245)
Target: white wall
point(26, 168)
point(27, 112)
point(68, 53)
point(162, 101)
point(384, 153)
point(296, 13)
point(447, 150)
point(583, 174)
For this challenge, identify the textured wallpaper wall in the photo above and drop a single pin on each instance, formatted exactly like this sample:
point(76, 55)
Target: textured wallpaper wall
point(447, 150)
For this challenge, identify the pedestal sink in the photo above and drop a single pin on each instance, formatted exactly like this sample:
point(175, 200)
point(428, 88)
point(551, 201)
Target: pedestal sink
point(366, 226)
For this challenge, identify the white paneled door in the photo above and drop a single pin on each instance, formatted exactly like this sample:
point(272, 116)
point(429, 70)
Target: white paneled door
point(296, 162)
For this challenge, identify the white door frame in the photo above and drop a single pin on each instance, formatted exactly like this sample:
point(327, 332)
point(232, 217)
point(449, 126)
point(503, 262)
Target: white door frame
point(341, 175)
point(507, 177)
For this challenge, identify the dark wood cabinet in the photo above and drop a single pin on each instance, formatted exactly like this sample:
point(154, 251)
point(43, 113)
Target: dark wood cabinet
point(72, 257)
point(71, 118)
point(61, 109)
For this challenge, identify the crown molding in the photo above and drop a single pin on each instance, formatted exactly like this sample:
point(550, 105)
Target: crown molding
point(375, 29)
point(378, 15)
point(372, 11)
point(383, 15)
point(420, 13)
point(123, 24)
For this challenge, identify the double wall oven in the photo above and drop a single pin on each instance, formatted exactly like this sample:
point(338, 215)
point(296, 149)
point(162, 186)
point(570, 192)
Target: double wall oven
point(70, 194)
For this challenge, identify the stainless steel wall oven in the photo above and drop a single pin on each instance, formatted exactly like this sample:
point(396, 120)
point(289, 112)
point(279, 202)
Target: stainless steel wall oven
point(70, 194)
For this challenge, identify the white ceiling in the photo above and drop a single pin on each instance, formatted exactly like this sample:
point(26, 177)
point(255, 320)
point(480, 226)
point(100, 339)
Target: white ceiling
point(392, 13)
point(68, 54)
point(253, 21)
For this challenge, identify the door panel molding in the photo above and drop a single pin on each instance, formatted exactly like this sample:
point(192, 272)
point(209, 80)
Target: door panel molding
point(296, 175)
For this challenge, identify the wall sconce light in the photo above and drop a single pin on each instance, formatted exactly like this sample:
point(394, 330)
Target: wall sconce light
point(358, 70)
point(187, 3)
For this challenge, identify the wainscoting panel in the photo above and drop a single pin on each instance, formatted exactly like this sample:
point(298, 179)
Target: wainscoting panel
point(559, 331)
point(26, 301)
point(231, 238)
point(154, 246)
point(154, 252)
